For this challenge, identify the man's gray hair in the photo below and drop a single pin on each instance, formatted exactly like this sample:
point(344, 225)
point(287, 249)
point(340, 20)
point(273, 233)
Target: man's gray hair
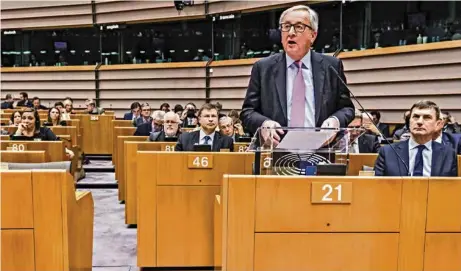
point(313, 16)
point(158, 115)
point(172, 114)
point(226, 119)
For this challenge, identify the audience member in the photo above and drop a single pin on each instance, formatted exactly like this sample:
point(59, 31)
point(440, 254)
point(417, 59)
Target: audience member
point(145, 115)
point(54, 118)
point(62, 109)
point(420, 154)
point(361, 143)
point(30, 127)
point(135, 112)
point(165, 107)
point(404, 132)
point(234, 114)
point(178, 109)
point(16, 118)
point(384, 128)
point(228, 128)
point(68, 105)
point(447, 138)
point(92, 109)
point(188, 116)
point(154, 125)
point(219, 107)
point(208, 119)
point(449, 123)
point(24, 100)
point(170, 128)
point(8, 103)
point(37, 105)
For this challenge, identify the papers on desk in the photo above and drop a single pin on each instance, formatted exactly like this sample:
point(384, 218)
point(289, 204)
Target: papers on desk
point(305, 139)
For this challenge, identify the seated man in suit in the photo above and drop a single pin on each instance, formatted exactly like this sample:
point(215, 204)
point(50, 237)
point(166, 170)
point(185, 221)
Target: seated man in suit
point(447, 138)
point(384, 128)
point(207, 135)
point(170, 129)
point(365, 143)
point(404, 132)
point(156, 125)
point(37, 105)
point(145, 115)
point(135, 112)
point(228, 128)
point(8, 103)
point(420, 155)
point(92, 109)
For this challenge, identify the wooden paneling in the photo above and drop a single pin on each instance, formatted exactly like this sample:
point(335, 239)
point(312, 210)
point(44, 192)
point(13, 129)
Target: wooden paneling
point(443, 202)
point(32, 14)
point(16, 190)
point(17, 250)
point(442, 252)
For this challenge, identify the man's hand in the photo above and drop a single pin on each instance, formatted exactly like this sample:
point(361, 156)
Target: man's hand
point(331, 122)
point(267, 132)
point(239, 129)
point(372, 128)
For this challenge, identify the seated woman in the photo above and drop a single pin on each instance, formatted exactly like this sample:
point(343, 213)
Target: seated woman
point(16, 118)
point(29, 128)
point(54, 118)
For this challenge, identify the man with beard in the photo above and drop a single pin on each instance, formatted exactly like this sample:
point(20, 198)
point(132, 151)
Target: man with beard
point(170, 128)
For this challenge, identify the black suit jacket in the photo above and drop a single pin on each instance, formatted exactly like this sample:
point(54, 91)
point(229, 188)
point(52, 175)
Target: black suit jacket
point(444, 161)
point(7, 105)
point(186, 142)
point(452, 140)
point(384, 128)
point(368, 144)
point(24, 103)
point(143, 129)
point(266, 97)
point(128, 116)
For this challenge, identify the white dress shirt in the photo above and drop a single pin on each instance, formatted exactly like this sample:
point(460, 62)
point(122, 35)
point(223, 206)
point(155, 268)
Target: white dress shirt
point(292, 70)
point(355, 146)
point(439, 139)
point(427, 156)
point(202, 138)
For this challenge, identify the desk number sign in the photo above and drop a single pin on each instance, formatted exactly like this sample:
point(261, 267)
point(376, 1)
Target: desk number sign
point(16, 147)
point(201, 161)
point(167, 147)
point(94, 117)
point(331, 192)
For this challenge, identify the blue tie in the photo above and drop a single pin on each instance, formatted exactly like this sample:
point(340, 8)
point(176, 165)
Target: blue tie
point(207, 140)
point(419, 162)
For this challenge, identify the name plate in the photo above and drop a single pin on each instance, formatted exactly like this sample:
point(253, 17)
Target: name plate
point(167, 147)
point(94, 117)
point(331, 192)
point(16, 147)
point(242, 148)
point(201, 161)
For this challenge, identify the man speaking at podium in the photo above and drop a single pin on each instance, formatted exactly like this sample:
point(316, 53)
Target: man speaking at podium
point(297, 88)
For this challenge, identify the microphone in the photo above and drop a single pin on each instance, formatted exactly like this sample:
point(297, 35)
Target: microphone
point(368, 114)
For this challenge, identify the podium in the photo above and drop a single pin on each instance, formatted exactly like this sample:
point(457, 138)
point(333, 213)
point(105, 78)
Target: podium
point(303, 151)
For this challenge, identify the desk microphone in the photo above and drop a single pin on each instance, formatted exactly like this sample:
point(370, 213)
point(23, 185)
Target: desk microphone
point(366, 112)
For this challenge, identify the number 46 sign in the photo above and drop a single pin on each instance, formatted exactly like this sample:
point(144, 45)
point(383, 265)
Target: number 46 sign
point(331, 192)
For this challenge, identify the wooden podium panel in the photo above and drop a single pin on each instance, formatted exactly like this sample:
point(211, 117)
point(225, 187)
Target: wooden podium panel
point(120, 131)
point(175, 211)
point(442, 252)
point(67, 130)
point(23, 156)
point(294, 212)
point(17, 191)
point(129, 181)
point(444, 201)
point(277, 223)
point(357, 161)
point(97, 133)
point(324, 251)
point(17, 250)
point(120, 160)
point(54, 150)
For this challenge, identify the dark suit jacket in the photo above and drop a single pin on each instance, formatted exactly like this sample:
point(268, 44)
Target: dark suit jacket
point(384, 128)
point(143, 129)
point(159, 136)
point(186, 142)
point(139, 121)
point(128, 116)
point(452, 140)
point(7, 105)
point(368, 144)
point(444, 161)
point(266, 97)
point(24, 103)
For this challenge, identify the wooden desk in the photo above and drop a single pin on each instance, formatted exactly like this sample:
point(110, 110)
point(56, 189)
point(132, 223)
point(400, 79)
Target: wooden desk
point(4, 121)
point(54, 150)
point(23, 156)
point(129, 181)
point(284, 223)
point(357, 161)
point(119, 169)
point(175, 205)
point(459, 165)
point(97, 133)
point(4, 137)
point(45, 224)
point(67, 130)
point(119, 131)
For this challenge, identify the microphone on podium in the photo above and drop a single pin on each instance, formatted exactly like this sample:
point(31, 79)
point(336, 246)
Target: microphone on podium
point(366, 112)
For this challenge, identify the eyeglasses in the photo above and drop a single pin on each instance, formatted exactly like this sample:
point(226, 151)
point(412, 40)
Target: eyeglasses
point(299, 27)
